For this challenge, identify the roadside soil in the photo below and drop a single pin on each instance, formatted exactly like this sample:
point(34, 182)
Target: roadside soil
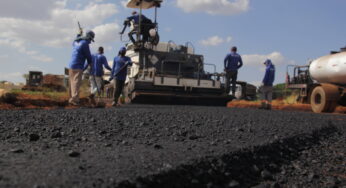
point(279, 105)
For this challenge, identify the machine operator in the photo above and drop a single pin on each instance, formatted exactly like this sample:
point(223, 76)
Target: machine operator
point(146, 25)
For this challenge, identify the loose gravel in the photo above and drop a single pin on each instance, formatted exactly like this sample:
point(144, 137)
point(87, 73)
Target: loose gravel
point(171, 146)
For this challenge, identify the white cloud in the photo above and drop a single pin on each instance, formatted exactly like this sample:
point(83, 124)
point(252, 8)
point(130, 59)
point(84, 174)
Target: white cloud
point(258, 60)
point(212, 41)
point(124, 3)
point(57, 28)
point(215, 7)
point(19, 45)
point(106, 32)
point(28, 9)
point(215, 41)
point(90, 15)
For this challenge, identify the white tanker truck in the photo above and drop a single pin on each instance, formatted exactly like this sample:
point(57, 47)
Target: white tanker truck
point(322, 83)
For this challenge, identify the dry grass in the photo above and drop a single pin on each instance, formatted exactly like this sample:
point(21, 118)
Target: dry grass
point(41, 94)
point(287, 105)
point(2, 92)
point(46, 99)
point(9, 87)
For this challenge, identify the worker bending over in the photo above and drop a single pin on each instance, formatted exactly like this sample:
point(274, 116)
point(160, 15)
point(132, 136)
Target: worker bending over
point(119, 73)
point(146, 25)
point(80, 53)
point(267, 85)
point(99, 61)
point(232, 63)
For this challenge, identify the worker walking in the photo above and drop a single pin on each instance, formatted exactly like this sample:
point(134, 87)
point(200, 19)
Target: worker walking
point(232, 63)
point(146, 25)
point(119, 73)
point(80, 53)
point(99, 61)
point(267, 85)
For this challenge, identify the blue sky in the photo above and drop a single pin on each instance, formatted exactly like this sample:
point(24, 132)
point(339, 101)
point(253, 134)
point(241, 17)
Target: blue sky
point(287, 31)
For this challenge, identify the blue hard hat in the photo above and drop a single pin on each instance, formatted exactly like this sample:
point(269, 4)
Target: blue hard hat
point(122, 49)
point(268, 62)
point(90, 35)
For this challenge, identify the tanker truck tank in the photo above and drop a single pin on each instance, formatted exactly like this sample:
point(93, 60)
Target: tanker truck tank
point(322, 84)
point(329, 69)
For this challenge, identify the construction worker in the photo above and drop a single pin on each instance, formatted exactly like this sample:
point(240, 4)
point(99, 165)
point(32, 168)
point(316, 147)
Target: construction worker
point(80, 53)
point(99, 61)
point(146, 25)
point(232, 63)
point(119, 73)
point(266, 88)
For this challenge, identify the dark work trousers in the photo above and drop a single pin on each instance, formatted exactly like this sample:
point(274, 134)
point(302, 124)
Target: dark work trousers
point(118, 89)
point(145, 28)
point(231, 77)
point(131, 33)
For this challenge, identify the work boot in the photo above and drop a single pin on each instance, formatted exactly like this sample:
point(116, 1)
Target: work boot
point(92, 99)
point(114, 104)
point(73, 103)
point(263, 106)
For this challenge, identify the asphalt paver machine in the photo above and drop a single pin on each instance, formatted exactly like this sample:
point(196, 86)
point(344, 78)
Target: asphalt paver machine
point(165, 72)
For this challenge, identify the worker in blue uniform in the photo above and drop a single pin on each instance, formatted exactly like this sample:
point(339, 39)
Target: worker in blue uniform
point(232, 63)
point(146, 25)
point(99, 62)
point(266, 88)
point(80, 54)
point(119, 73)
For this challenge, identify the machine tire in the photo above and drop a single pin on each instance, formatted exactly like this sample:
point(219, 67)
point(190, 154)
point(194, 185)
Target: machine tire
point(324, 98)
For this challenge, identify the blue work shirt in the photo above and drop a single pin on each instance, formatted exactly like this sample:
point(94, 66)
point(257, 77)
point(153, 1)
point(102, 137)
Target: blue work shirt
point(135, 18)
point(269, 76)
point(98, 62)
point(80, 53)
point(233, 62)
point(119, 63)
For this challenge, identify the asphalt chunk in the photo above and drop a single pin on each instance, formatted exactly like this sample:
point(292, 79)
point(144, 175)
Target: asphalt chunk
point(73, 154)
point(34, 137)
point(17, 150)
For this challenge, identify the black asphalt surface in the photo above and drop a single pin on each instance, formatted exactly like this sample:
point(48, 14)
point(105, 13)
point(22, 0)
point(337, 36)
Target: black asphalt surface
point(171, 146)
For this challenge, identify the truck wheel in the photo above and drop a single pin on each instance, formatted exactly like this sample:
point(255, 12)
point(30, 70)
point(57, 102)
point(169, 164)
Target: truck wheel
point(324, 98)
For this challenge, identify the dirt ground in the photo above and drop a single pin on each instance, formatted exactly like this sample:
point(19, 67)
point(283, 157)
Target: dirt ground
point(41, 100)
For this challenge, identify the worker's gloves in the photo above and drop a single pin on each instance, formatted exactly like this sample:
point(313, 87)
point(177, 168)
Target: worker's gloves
point(127, 22)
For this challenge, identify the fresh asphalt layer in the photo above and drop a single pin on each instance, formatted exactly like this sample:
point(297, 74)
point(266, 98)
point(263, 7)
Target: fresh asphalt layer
point(171, 146)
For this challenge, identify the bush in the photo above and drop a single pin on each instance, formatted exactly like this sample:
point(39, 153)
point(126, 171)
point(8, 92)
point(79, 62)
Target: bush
point(9, 98)
point(280, 91)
